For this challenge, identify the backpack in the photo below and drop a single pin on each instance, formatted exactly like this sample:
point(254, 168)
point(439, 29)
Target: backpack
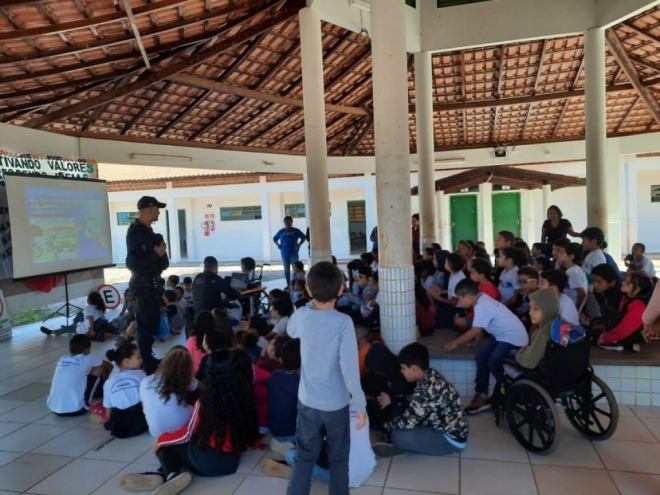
point(563, 333)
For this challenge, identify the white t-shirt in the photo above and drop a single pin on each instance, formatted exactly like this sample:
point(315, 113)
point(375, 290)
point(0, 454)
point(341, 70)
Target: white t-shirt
point(577, 279)
point(509, 283)
point(499, 321)
point(594, 258)
point(280, 326)
point(428, 282)
point(646, 265)
point(163, 417)
point(122, 390)
point(67, 392)
point(451, 287)
point(567, 310)
point(94, 312)
point(361, 459)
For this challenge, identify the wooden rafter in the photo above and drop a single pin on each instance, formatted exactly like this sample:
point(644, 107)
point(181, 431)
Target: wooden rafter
point(498, 90)
point(136, 32)
point(5, 4)
point(365, 128)
point(175, 68)
point(536, 88)
point(576, 80)
point(86, 23)
point(640, 32)
point(625, 117)
point(464, 97)
point(619, 52)
point(146, 108)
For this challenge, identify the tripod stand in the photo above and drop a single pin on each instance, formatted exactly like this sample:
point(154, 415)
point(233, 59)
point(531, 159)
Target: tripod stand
point(66, 307)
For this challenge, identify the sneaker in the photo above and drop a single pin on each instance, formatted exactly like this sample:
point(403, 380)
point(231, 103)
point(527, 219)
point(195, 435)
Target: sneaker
point(478, 404)
point(611, 347)
point(140, 482)
point(174, 484)
point(46, 331)
point(275, 468)
point(386, 450)
point(636, 348)
point(281, 447)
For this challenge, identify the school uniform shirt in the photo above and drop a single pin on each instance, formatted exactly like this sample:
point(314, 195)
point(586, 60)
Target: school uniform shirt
point(188, 296)
point(163, 417)
point(122, 390)
point(67, 391)
point(283, 403)
point(428, 282)
point(645, 265)
point(567, 310)
point(453, 282)
point(594, 258)
point(499, 321)
point(509, 283)
point(280, 326)
point(94, 312)
point(577, 279)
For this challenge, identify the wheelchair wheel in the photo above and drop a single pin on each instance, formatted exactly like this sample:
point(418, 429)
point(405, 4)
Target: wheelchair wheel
point(532, 417)
point(594, 415)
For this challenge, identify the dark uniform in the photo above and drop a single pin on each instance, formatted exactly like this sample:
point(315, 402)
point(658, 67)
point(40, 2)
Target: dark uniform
point(208, 289)
point(146, 268)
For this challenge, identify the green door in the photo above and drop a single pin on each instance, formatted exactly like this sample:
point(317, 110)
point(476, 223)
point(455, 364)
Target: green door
point(506, 213)
point(463, 211)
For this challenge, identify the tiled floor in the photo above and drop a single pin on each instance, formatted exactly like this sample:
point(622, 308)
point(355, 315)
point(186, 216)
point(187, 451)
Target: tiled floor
point(44, 454)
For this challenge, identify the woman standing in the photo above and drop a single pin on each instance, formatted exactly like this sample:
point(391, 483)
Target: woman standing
point(554, 228)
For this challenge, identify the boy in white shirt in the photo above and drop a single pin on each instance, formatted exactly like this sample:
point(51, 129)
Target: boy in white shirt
point(507, 331)
point(557, 280)
point(592, 239)
point(641, 262)
point(78, 378)
point(569, 256)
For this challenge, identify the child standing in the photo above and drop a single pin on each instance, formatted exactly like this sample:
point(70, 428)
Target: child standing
point(557, 280)
point(569, 257)
point(434, 422)
point(507, 333)
point(78, 377)
point(283, 394)
point(329, 376)
point(508, 280)
point(164, 393)
point(544, 309)
point(121, 393)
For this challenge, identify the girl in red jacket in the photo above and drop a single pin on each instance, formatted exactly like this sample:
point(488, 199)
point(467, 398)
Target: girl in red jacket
point(222, 427)
point(627, 334)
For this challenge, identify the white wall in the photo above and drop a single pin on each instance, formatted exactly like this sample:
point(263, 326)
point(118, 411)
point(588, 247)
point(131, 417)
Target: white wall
point(648, 213)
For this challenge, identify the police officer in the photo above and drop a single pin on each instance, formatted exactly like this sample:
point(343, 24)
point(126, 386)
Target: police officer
point(146, 259)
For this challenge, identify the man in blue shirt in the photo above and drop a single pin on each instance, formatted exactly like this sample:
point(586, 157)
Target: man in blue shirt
point(286, 241)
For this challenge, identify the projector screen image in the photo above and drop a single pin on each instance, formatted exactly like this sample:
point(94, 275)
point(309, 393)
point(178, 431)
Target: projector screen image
point(58, 225)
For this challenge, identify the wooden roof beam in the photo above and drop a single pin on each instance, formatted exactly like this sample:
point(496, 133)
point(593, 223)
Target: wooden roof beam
point(136, 32)
point(366, 127)
point(625, 117)
point(149, 79)
point(619, 52)
point(146, 108)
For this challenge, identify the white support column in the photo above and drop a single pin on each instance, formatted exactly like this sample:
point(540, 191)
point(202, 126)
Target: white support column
point(390, 91)
point(173, 249)
point(317, 194)
point(547, 199)
point(370, 207)
point(266, 230)
point(529, 212)
point(485, 205)
point(614, 177)
point(596, 128)
point(425, 147)
point(444, 230)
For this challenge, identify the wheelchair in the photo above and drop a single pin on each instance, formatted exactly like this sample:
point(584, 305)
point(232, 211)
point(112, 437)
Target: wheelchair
point(528, 401)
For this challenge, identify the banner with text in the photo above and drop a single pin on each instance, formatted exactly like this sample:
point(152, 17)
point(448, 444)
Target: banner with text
point(54, 166)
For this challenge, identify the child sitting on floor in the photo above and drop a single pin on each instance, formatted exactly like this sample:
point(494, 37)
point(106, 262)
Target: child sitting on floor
point(557, 280)
point(543, 310)
point(627, 333)
point(271, 356)
point(298, 290)
point(195, 343)
point(260, 380)
point(370, 311)
point(172, 282)
point(283, 394)
point(298, 271)
point(450, 305)
point(362, 334)
point(187, 290)
point(480, 272)
point(528, 278)
point(639, 262)
point(434, 422)
point(90, 321)
point(424, 271)
point(121, 393)
point(248, 342)
point(507, 333)
point(281, 311)
point(127, 314)
point(213, 341)
point(425, 311)
point(78, 379)
point(174, 313)
point(164, 393)
point(223, 425)
point(164, 327)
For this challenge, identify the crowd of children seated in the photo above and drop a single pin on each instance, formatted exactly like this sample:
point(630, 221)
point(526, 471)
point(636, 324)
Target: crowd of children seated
point(286, 377)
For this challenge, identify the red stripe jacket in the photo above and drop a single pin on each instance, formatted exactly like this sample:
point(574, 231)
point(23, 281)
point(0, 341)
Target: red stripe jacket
point(631, 321)
point(183, 435)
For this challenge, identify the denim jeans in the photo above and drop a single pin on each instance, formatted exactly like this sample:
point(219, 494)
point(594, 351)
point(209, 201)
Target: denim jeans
point(490, 359)
point(312, 424)
point(318, 473)
point(423, 440)
point(287, 261)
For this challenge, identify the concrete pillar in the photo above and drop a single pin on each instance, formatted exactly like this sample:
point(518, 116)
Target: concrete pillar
point(596, 128)
point(614, 177)
point(173, 248)
point(529, 212)
point(317, 194)
point(547, 199)
point(267, 231)
point(390, 92)
point(425, 147)
point(485, 215)
point(370, 207)
point(444, 230)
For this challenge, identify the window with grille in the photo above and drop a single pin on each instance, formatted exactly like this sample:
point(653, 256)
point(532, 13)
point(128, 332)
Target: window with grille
point(295, 211)
point(126, 217)
point(235, 213)
point(357, 213)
